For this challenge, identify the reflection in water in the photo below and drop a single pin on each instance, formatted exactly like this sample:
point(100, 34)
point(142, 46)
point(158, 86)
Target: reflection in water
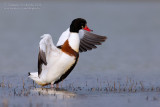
point(60, 93)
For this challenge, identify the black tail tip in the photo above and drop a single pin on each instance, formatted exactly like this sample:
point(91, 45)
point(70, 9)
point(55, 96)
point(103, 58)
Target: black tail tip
point(29, 73)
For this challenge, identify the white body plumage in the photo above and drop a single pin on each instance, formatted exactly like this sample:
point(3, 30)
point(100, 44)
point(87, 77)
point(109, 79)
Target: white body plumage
point(58, 62)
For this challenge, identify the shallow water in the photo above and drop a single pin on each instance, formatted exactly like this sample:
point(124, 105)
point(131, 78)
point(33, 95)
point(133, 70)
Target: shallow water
point(129, 56)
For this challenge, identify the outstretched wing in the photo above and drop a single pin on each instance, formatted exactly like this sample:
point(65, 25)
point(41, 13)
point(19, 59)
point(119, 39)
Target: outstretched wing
point(88, 40)
point(46, 47)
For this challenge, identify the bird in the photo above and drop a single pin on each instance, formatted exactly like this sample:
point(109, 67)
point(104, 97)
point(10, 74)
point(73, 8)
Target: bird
point(55, 62)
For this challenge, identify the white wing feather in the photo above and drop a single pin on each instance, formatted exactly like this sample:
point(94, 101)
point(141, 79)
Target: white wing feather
point(64, 36)
point(46, 44)
point(51, 52)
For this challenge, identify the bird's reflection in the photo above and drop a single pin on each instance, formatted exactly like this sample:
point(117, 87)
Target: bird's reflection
point(54, 91)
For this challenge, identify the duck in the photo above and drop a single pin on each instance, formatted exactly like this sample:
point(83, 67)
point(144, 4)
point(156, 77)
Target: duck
point(55, 62)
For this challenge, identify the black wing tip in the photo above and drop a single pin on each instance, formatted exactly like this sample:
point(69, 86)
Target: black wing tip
point(90, 40)
point(105, 37)
point(45, 63)
point(59, 47)
point(93, 36)
point(29, 73)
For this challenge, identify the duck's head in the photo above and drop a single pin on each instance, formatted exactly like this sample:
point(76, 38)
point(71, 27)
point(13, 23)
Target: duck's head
point(78, 24)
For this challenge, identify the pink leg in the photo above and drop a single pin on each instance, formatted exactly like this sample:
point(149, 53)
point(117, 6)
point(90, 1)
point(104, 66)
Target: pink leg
point(61, 83)
point(52, 86)
point(57, 85)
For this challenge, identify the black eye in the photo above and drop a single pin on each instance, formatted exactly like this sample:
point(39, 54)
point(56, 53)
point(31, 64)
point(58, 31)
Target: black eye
point(82, 24)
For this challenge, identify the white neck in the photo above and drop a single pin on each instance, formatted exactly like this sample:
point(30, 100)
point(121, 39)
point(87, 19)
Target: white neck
point(74, 41)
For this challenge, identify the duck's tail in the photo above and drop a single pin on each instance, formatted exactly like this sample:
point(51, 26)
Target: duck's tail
point(38, 80)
